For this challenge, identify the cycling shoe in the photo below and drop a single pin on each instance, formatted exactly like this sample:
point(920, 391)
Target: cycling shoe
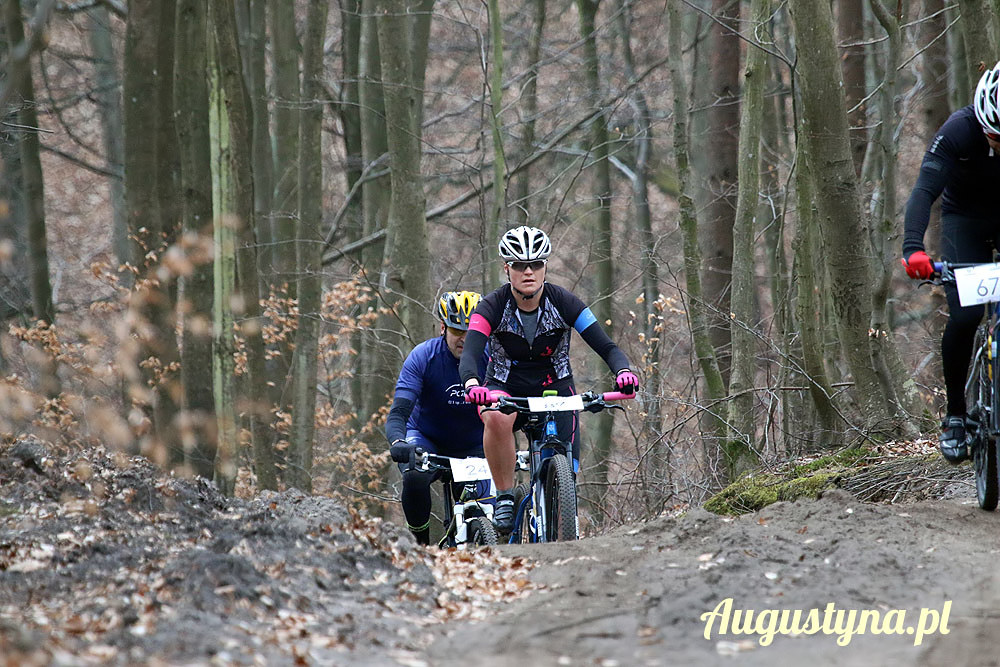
point(954, 439)
point(503, 513)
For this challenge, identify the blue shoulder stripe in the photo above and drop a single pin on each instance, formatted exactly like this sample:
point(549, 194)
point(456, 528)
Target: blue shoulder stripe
point(585, 319)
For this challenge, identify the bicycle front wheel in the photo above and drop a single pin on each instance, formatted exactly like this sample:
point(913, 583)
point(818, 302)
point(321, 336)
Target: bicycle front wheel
point(984, 458)
point(522, 533)
point(482, 532)
point(560, 500)
point(980, 397)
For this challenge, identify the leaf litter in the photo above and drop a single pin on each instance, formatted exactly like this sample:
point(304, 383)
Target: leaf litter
point(104, 559)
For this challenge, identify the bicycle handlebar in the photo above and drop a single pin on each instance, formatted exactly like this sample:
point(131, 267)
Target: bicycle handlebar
point(943, 270)
point(520, 403)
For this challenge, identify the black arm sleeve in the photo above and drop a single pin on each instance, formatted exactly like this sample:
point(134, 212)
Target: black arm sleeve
point(930, 184)
point(598, 339)
point(468, 365)
point(399, 413)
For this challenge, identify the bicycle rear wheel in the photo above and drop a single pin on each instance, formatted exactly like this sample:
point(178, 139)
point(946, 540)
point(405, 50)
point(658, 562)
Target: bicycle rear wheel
point(482, 532)
point(560, 500)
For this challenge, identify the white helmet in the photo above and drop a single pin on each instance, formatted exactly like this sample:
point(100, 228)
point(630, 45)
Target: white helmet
point(987, 100)
point(524, 244)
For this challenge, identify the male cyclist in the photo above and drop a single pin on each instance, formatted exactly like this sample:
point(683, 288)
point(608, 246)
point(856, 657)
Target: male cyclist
point(963, 164)
point(528, 323)
point(430, 411)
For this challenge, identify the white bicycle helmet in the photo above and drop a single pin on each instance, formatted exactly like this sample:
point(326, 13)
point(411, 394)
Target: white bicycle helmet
point(987, 100)
point(524, 244)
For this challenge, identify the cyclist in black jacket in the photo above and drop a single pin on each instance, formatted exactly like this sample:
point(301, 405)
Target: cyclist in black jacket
point(962, 164)
point(528, 323)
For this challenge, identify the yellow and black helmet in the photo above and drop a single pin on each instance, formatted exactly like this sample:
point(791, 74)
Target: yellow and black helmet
point(455, 308)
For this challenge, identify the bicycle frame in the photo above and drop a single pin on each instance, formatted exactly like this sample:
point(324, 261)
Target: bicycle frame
point(982, 395)
point(986, 353)
point(544, 444)
point(456, 511)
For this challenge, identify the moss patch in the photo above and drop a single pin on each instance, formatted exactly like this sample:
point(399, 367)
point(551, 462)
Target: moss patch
point(755, 491)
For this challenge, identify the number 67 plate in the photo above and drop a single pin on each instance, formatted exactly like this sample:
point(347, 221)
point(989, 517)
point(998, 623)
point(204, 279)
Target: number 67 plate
point(978, 284)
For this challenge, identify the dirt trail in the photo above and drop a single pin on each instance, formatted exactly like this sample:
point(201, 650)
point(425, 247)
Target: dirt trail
point(104, 560)
point(636, 596)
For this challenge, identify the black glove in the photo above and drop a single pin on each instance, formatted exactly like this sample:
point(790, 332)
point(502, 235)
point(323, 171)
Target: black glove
point(402, 451)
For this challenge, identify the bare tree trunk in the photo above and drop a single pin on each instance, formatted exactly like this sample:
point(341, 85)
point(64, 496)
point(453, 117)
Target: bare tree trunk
point(740, 454)
point(376, 357)
point(107, 93)
point(15, 291)
point(224, 277)
point(935, 109)
point(715, 233)
point(978, 26)
point(350, 112)
point(713, 427)
point(191, 101)
point(285, 83)
point(826, 148)
point(350, 117)
point(150, 164)
point(771, 226)
point(884, 232)
point(407, 265)
point(498, 217)
point(310, 248)
point(808, 309)
point(522, 181)
point(965, 75)
point(238, 112)
point(653, 302)
point(851, 34)
point(420, 31)
point(601, 249)
point(33, 193)
point(252, 18)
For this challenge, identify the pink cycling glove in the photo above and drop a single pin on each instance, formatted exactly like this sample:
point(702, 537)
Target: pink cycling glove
point(479, 395)
point(626, 381)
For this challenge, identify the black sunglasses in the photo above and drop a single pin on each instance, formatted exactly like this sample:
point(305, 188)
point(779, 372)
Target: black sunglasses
point(520, 267)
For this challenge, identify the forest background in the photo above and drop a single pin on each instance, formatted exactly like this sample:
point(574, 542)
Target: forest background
point(224, 224)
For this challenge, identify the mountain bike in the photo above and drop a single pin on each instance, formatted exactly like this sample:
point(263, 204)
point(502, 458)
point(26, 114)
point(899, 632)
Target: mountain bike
point(982, 387)
point(468, 499)
point(545, 509)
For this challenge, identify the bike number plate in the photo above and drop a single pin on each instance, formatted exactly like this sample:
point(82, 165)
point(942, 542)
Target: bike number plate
point(978, 284)
point(469, 470)
point(555, 403)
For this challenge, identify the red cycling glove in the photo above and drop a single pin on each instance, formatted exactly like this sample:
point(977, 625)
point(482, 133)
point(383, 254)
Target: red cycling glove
point(918, 265)
point(479, 395)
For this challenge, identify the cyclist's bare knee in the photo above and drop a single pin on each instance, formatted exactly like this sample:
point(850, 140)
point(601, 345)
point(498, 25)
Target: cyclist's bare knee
point(498, 422)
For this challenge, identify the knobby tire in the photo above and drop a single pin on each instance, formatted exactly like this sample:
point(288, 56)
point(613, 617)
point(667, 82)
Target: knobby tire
point(981, 397)
point(482, 532)
point(560, 500)
point(523, 533)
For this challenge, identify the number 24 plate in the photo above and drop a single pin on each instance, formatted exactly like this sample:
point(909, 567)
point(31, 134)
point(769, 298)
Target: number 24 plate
point(978, 284)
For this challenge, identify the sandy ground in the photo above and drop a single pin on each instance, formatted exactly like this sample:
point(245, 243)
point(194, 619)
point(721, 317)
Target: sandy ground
point(107, 561)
